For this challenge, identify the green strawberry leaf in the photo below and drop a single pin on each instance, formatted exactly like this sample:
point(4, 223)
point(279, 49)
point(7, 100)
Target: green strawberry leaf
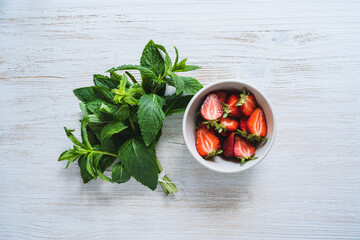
point(151, 116)
point(120, 174)
point(140, 161)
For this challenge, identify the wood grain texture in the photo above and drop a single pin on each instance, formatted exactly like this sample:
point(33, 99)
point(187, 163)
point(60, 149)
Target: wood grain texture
point(305, 55)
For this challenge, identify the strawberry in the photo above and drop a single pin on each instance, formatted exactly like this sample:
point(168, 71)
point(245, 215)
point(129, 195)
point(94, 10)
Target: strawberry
point(228, 145)
point(221, 96)
point(229, 123)
point(256, 123)
point(233, 110)
point(243, 124)
point(207, 143)
point(249, 106)
point(211, 109)
point(243, 149)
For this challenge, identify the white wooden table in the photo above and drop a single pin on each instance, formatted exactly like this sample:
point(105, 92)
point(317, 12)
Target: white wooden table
point(305, 55)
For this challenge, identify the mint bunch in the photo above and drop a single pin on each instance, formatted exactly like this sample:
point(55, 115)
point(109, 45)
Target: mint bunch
point(123, 119)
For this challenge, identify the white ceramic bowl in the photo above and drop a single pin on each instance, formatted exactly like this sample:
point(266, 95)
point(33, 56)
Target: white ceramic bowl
point(219, 163)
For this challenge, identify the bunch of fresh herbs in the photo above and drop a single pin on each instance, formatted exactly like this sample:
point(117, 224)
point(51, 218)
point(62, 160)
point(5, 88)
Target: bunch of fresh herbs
point(123, 119)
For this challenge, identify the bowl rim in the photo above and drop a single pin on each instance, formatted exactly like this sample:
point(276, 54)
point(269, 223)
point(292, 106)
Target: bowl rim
point(270, 144)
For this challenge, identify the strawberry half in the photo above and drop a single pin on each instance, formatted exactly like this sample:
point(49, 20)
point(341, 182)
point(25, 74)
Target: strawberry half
point(243, 124)
point(211, 109)
point(243, 149)
point(221, 96)
point(207, 143)
point(232, 109)
point(228, 145)
point(249, 106)
point(229, 123)
point(256, 123)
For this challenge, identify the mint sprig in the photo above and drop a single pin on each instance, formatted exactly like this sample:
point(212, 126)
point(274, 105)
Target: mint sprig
point(123, 118)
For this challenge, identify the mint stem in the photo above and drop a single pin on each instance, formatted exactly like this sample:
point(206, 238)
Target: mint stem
point(169, 186)
point(105, 153)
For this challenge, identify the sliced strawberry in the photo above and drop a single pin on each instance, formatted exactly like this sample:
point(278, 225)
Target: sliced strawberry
point(249, 106)
point(211, 109)
point(221, 96)
point(207, 143)
point(231, 124)
point(232, 108)
point(243, 149)
point(228, 146)
point(243, 124)
point(256, 123)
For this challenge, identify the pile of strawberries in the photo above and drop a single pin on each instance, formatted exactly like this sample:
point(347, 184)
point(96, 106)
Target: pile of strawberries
point(231, 124)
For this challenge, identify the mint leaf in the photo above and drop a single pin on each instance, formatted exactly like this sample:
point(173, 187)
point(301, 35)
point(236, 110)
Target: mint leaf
point(167, 58)
point(120, 174)
point(119, 113)
point(177, 56)
point(88, 94)
point(182, 67)
point(71, 155)
point(147, 75)
point(140, 161)
point(178, 82)
point(179, 105)
point(152, 59)
point(84, 136)
point(105, 81)
point(85, 175)
point(89, 165)
point(151, 116)
point(103, 176)
point(73, 138)
point(191, 85)
point(111, 129)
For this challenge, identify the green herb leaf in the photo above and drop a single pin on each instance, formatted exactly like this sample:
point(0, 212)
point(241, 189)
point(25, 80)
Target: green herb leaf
point(167, 58)
point(84, 136)
point(147, 75)
point(152, 59)
point(85, 175)
point(89, 94)
point(71, 155)
point(178, 106)
point(140, 161)
point(151, 116)
point(182, 67)
point(191, 85)
point(73, 138)
point(103, 176)
point(178, 82)
point(111, 129)
point(89, 165)
point(119, 113)
point(120, 174)
point(105, 81)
